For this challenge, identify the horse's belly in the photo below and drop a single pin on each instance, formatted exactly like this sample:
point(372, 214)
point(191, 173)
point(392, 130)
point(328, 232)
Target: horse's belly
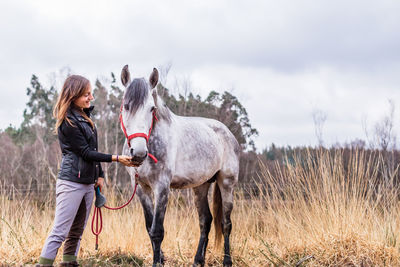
point(179, 182)
point(192, 176)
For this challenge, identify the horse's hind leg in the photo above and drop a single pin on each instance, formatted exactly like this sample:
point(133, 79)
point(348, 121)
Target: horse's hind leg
point(205, 219)
point(226, 185)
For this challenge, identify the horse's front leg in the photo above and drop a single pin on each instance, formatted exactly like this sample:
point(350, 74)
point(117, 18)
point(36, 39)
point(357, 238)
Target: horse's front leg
point(145, 196)
point(161, 192)
point(145, 193)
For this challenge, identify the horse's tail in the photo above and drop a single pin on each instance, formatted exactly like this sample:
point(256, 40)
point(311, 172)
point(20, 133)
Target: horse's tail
point(217, 214)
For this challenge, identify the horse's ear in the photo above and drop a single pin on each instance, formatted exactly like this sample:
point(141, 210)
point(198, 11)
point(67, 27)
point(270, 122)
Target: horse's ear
point(154, 78)
point(125, 76)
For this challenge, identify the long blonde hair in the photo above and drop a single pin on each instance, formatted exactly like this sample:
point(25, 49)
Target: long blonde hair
point(74, 87)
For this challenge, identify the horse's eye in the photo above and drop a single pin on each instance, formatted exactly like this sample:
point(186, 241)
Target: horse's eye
point(152, 109)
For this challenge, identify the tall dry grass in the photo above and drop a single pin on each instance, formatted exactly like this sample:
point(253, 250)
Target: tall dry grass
point(317, 212)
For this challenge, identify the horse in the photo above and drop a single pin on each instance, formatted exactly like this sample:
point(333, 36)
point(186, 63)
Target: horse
point(180, 152)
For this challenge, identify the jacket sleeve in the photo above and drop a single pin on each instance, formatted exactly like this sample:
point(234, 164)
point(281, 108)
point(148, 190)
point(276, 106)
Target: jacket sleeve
point(79, 145)
point(101, 172)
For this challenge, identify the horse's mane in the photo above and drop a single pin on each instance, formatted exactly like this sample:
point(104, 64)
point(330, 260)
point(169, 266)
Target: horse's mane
point(163, 112)
point(135, 95)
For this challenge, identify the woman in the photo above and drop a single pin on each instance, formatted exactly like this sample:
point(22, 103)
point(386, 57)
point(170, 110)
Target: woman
point(80, 169)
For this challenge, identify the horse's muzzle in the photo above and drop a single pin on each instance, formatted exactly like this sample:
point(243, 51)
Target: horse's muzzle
point(138, 160)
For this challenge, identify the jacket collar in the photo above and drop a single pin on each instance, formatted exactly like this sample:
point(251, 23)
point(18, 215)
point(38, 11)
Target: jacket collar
point(88, 110)
point(74, 111)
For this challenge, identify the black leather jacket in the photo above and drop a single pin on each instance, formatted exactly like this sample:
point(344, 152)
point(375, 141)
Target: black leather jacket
point(80, 159)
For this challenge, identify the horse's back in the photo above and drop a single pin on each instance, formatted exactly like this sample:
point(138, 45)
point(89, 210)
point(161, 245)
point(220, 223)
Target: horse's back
point(211, 131)
point(206, 146)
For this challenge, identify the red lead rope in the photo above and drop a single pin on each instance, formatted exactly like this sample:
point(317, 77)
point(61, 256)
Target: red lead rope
point(97, 216)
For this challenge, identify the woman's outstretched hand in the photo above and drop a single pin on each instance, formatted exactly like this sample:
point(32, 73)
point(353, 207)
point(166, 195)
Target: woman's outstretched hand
point(126, 160)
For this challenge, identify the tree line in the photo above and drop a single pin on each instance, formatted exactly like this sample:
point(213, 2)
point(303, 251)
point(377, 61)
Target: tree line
point(30, 154)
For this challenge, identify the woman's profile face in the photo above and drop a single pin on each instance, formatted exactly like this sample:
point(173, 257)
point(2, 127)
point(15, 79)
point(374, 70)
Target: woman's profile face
point(84, 100)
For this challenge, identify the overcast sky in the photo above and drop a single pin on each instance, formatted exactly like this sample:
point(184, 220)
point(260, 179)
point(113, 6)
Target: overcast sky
point(282, 59)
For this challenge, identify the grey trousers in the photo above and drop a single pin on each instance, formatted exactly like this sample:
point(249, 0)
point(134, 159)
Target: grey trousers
point(73, 204)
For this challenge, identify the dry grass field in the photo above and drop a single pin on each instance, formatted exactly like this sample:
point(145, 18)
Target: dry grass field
point(314, 213)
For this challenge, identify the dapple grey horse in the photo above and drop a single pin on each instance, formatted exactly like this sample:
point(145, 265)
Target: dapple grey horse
point(192, 152)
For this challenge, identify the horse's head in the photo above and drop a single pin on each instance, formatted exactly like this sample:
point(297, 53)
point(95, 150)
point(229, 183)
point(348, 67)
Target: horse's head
point(138, 111)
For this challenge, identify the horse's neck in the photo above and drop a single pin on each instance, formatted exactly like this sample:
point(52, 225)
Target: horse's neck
point(161, 129)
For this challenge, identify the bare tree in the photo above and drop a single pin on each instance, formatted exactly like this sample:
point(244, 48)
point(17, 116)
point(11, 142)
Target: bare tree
point(184, 87)
point(164, 70)
point(383, 138)
point(56, 79)
point(364, 123)
point(319, 118)
point(384, 135)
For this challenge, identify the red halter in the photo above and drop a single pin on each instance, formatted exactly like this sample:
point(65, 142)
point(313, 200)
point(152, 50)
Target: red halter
point(145, 136)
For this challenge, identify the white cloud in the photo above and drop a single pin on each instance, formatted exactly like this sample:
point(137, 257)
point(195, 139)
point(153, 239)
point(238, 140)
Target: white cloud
point(280, 105)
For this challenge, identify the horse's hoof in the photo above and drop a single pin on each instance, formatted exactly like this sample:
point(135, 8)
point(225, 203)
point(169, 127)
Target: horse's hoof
point(227, 262)
point(198, 262)
point(162, 258)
